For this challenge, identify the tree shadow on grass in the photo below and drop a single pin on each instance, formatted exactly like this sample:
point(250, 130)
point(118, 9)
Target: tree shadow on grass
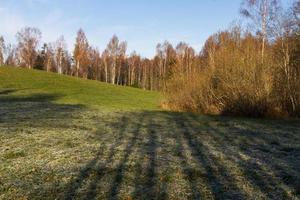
point(6, 91)
point(145, 174)
point(166, 155)
point(217, 176)
point(31, 125)
point(254, 150)
point(129, 159)
point(97, 168)
point(272, 151)
point(35, 110)
point(149, 146)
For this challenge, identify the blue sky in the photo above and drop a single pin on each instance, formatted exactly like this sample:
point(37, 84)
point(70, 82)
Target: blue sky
point(142, 23)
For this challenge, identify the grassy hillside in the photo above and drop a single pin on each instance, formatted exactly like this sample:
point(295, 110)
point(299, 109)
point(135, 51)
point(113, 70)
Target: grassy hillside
point(24, 83)
point(68, 138)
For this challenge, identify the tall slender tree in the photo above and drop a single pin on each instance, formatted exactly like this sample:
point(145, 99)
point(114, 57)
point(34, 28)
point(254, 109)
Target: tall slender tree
point(28, 40)
point(60, 53)
point(10, 55)
point(112, 49)
point(2, 50)
point(106, 62)
point(262, 13)
point(81, 53)
point(115, 50)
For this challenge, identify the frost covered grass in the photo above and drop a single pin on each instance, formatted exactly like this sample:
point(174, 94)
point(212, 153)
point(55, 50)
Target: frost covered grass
point(53, 148)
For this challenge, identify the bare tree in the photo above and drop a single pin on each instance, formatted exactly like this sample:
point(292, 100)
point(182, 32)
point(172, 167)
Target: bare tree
point(28, 39)
point(296, 10)
point(115, 49)
point(95, 71)
point(285, 47)
point(121, 59)
point(81, 52)
point(60, 51)
point(106, 60)
point(10, 55)
point(2, 50)
point(133, 64)
point(262, 13)
point(49, 57)
point(112, 49)
point(185, 55)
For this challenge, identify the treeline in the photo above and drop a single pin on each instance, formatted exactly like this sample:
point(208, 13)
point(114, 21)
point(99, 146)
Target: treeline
point(113, 65)
point(252, 72)
point(241, 73)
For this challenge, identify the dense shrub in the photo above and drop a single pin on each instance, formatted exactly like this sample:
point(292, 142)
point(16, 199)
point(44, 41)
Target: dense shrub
point(236, 80)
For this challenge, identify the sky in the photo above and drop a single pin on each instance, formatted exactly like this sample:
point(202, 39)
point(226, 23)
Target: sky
point(142, 23)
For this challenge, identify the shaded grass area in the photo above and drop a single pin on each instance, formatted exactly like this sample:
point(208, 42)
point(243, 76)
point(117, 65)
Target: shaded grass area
point(60, 151)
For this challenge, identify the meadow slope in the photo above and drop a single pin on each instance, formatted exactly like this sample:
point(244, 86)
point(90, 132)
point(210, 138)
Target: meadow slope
point(68, 138)
point(61, 89)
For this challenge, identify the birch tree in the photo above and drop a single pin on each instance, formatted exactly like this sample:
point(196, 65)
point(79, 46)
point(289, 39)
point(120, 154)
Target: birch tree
point(28, 39)
point(133, 64)
point(262, 13)
point(115, 49)
point(10, 55)
point(286, 49)
point(112, 49)
point(81, 53)
point(60, 54)
point(95, 72)
point(2, 50)
point(106, 61)
point(121, 59)
point(49, 56)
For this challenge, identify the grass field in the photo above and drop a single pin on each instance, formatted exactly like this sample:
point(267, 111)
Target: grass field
point(67, 138)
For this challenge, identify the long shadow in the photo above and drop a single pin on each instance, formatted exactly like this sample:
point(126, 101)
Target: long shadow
point(151, 170)
point(38, 97)
point(35, 110)
point(255, 173)
point(267, 148)
point(187, 169)
point(7, 91)
point(84, 174)
point(138, 174)
point(93, 165)
point(120, 170)
point(101, 169)
point(37, 113)
point(199, 139)
point(222, 184)
point(273, 156)
point(129, 133)
point(145, 187)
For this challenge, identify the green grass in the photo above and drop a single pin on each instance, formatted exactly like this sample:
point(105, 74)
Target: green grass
point(71, 90)
point(67, 138)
